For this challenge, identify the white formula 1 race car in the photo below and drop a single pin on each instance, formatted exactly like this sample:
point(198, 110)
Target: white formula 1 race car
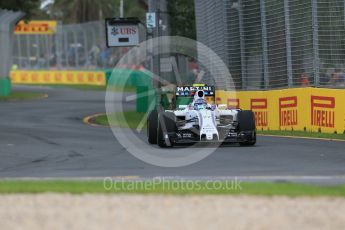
point(200, 121)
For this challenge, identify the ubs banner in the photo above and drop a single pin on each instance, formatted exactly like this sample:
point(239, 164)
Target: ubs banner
point(310, 109)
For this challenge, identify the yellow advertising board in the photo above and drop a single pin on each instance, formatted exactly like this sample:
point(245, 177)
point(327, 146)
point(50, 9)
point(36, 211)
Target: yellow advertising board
point(310, 109)
point(58, 77)
point(36, 27)
point(327, 112)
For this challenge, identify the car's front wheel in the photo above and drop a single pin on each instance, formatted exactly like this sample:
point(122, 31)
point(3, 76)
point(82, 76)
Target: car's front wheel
point(166, 125)
point(152, 125)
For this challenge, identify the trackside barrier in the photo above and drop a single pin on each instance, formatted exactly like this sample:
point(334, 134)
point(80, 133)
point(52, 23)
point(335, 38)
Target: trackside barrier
point(141, 80)
point(308, 109)
point(58, 77)
point(97, 77)
point(119, 77)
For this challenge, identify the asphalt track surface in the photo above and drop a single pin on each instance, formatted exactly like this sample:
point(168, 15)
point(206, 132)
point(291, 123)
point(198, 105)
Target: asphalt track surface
point(47, 138)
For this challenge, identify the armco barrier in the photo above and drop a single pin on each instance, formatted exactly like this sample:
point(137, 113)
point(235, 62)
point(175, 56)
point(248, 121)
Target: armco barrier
point(97, 77)
point(310, 109)
point(119, 77)
point(141, 80)
point(5, 86)
point(58, 77)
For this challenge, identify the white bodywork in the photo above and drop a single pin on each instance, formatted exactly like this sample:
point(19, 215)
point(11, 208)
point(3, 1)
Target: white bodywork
point(208, 119)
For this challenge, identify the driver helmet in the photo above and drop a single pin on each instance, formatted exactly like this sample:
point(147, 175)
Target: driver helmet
point(200, 104)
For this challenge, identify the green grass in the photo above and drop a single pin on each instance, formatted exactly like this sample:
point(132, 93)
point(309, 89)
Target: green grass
point(82, 87)
point(305, 134)
point(132, 119)
point(170, 187)
point(101, 120)
point(19, 95)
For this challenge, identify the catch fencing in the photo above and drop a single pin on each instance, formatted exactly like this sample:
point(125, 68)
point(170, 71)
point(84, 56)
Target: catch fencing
point(79, 47)
point(271, 44)
point(73, 46)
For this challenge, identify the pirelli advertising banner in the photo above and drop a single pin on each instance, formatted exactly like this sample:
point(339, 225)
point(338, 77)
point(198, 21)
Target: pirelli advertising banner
point(310, 109)
point(58, 77)
point(36, 27)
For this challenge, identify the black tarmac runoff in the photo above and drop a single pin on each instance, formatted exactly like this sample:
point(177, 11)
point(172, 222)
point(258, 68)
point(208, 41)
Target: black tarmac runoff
point(47, 138)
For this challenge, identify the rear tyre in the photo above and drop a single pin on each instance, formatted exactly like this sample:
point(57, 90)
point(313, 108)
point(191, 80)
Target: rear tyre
point(246, 121)
point(152, 125)
point(246, 124)
point(251, 142)
point(166, 125)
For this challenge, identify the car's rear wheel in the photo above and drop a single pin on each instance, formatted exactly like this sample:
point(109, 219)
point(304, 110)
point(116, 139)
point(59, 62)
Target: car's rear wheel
point(246, 124)
point(250, 142)
point(246, 120)
point(166, 125)
point(152, 125)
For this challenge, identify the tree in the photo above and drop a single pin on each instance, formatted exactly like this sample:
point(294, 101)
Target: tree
point(182, 18)
point(79, 11)
point(29, 7)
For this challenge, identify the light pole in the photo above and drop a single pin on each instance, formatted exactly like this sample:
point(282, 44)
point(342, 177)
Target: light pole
point(121, 8)
point(155, 59)
point(238, 6)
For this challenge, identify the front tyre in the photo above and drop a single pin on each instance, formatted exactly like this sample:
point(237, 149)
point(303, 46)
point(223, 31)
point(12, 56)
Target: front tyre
point(152, 126)
point(166, 126)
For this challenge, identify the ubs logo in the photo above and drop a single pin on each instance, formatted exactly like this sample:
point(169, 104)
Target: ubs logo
point(114, 31)
point(288, 115)
point(259, 107)
point(123, 30)
point(322, 111)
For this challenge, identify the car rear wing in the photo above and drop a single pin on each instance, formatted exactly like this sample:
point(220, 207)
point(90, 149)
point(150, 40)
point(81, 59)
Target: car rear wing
point(185, 94)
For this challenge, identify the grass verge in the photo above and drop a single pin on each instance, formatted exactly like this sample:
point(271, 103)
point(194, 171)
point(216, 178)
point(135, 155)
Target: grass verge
point(132, 119)
point(19, 96)
point(330, 136)
point(171, 187)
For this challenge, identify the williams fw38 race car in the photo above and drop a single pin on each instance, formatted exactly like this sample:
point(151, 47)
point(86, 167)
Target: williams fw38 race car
point(197, 120)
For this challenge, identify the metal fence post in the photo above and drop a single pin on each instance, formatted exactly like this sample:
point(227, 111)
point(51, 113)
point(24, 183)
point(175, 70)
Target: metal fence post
point(66, 48)
point(57, 47)
point(38, 52)
point(344, 14)
point(288, 42)
point(242, 45)
point(75, 49)
point(20, 55)
point(264, 43)
point(316, 58)
point(28, 49)
point(48, 52)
